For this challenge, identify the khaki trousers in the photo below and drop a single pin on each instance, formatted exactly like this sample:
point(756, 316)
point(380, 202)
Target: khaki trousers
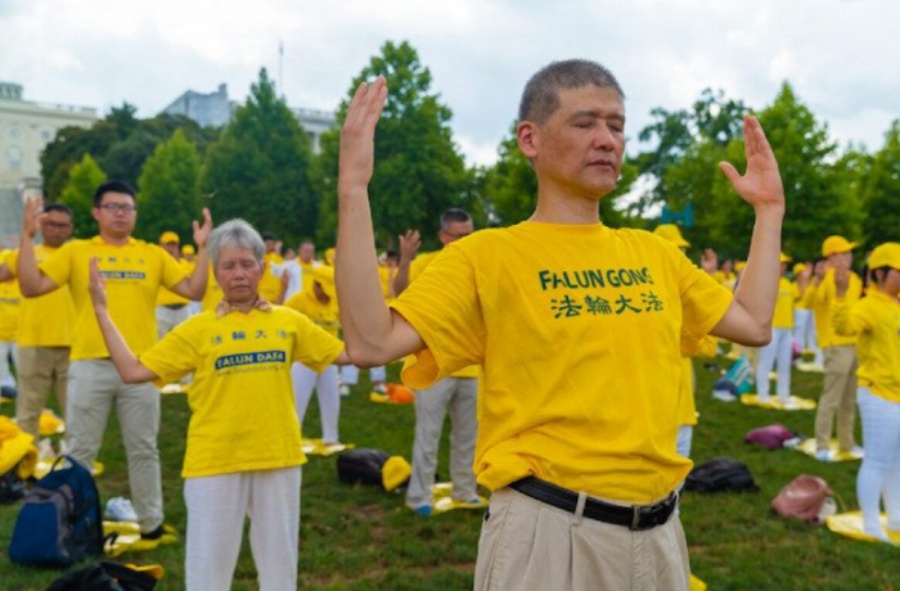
point(527, 545)
point(40, 370)
point(94, 387)
point(838, 396)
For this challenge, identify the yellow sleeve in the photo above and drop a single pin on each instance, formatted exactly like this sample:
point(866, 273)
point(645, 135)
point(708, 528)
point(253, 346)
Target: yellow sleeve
point(825, 290)
point(177, 354)
point(848, 318)
point(173, 272)
point(315, 347)
point(59, 266)
point(442, 306)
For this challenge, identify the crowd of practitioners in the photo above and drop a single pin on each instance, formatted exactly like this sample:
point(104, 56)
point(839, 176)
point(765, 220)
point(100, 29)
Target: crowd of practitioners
point(528, 337)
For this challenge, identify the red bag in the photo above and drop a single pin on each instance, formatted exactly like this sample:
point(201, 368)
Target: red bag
point(803, 498)
point(770, 437)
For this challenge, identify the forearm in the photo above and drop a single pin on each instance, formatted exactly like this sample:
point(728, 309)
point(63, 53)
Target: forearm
point(366, 319)
point(30, 282)
point(758, 289)
point(198, 279)
point(130, 369)
point(401, 279)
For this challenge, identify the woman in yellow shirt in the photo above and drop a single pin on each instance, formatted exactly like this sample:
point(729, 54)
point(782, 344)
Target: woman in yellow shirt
point(876, 321)
point(243, 453)
point(779, 352)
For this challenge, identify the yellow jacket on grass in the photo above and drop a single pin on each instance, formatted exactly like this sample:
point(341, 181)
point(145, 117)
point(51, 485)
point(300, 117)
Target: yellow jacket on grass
point(579, 331)
point(133, 274)
point(44, 321)
point(241, 400)
point(820, 299)
point(876, 321)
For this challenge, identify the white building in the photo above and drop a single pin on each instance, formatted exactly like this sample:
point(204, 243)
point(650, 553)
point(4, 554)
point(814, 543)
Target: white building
point(216, 109)
point(26, 127)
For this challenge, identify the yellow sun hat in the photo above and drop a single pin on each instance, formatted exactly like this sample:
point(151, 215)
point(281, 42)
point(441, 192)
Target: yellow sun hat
point(886, 255)
point(395, 472)
point(835, 244)
point(168, 237)
point(671, 233)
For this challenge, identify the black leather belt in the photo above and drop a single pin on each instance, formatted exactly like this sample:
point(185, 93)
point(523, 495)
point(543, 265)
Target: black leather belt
point(635, 517)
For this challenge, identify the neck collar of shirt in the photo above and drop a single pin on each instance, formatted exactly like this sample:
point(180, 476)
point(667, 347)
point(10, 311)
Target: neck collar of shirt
point(98, 239)
point(225, 307)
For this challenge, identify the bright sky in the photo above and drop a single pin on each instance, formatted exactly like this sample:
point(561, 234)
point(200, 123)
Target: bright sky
point(843, 57)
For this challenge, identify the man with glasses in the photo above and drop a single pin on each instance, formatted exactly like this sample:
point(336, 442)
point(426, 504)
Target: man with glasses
point(457, 393)
point(45, 327)
point(133, 271)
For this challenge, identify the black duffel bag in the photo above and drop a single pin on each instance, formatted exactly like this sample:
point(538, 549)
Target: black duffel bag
point(720, 475)
point(361, 465)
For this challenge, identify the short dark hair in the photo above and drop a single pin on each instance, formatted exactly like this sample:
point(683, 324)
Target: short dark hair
point(112, 186)
point(58, 207)
point(454, 215)
point(268, 236)
point(540, 99)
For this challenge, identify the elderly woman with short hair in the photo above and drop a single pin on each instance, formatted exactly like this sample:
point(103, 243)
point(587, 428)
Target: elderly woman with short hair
point(243, 452)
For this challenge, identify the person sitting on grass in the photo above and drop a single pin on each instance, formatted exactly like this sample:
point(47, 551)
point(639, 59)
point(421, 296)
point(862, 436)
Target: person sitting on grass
point(243, 453)
point(876, 321)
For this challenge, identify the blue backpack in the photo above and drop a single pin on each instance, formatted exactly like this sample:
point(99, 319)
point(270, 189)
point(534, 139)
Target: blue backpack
point(60, 522)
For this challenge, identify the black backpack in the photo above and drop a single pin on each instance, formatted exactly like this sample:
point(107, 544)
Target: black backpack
point(60, 521)
point(720, 475)
point(104, 576)
point(361, 465)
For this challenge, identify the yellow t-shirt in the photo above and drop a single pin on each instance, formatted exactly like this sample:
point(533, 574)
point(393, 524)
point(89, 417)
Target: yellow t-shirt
point(325, 315)
point(269, 283)
point(820, 299)
point(133, 273)
point(241, 401)
point(10, 299)
point(687, 406)
point(213, 294)
point(419, 264)
point(47, 320)
point(784, 305)
point(876, 321)
point(580, 331)
point(167, 297)
point(386, 275)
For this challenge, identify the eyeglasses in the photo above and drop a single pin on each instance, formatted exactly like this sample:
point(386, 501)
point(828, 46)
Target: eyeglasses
point(118, 207)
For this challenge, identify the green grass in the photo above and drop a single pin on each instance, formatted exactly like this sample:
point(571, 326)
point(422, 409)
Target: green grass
point(362, 538)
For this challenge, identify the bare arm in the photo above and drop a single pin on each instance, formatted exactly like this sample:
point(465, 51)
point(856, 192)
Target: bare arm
point(5, 273)
point(32, 281)
point(409, 246)
point(194, 286)
point(374, 334)
point(748, 320)
point(131, 370)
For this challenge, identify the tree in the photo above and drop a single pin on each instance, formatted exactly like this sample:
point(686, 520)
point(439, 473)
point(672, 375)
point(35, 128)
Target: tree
point(78, 193)
point(880, 191)
point(169, 189)
point(259, 168)
point(419, 171)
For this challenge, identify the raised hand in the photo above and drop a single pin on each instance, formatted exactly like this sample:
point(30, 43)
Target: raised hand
point(201, 233)
point(97, 286)
point(357, 150)
point(760, 186)
point(409, 245)
point(32, 216)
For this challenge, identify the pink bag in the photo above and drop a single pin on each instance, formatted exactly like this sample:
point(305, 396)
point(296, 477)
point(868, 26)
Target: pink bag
point(803, 498)
point(770, 437)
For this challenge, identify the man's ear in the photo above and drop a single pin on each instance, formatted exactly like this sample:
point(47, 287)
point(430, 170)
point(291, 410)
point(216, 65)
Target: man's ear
point(527, 135)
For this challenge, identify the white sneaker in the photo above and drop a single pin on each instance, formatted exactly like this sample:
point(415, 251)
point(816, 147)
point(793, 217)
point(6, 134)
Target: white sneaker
point(120, 509)
point(823, 455)
point(345, 390)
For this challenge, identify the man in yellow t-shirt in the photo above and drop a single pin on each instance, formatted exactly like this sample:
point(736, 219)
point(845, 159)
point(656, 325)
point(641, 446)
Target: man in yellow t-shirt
point(579, 329)
point(171, 308)
point(9, 321)
point(270, 286)
point(456, 393)
point(779, 353)
point(839, 388)
point(134, 271)
point(44, 335)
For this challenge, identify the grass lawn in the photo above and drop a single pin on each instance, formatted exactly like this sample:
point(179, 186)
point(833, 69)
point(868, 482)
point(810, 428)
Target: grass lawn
point(361, 538)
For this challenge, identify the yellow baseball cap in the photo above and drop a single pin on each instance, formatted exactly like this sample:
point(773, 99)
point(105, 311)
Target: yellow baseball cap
point(324, 276)
point(188, 249)
point(740, 266)
point(799, 268)
point(168, 237)
point(886, 255)
point(671, 233)
point(395, 471)
point(783, 258)
point(836, 244)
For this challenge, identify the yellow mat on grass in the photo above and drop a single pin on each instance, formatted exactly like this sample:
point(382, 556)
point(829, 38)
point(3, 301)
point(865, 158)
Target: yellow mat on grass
point(809, 366)
point(697, 584)
point(43, 468)
point(797, 403)
point(851, 525)
point(317, 447)
point(125, 536)
point(443, 502)
point(808, 446)
point(175, 388)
